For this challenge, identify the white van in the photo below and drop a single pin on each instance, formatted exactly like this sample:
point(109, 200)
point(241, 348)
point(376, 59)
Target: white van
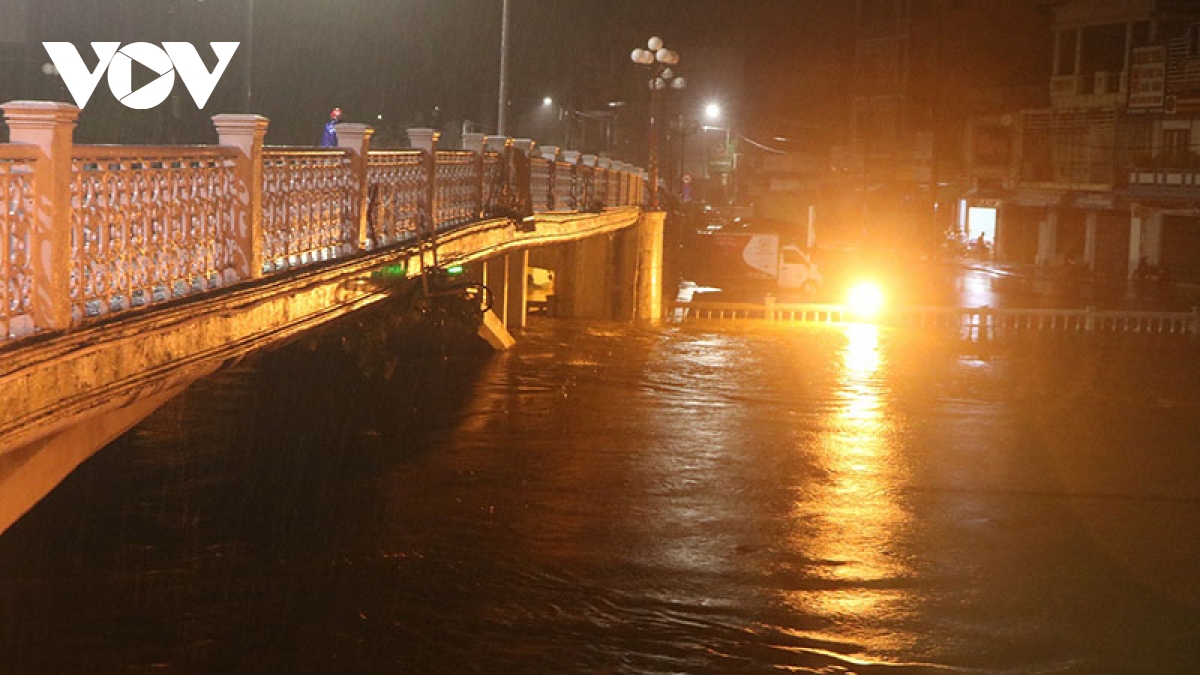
point(797, 270)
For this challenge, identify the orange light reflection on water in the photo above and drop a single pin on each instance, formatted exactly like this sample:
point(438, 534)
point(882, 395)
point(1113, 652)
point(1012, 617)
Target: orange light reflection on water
point(846, 524)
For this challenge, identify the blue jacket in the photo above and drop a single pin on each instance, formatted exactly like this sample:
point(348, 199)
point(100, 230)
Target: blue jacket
point(329, 138)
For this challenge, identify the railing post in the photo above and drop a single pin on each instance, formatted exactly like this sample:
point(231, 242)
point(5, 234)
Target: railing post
point(50, 127)
point(550, 154)
point(426, 140)
point(357, 139)
point(476, 143)
point(606, 164)
point(572, 157)
point(524, 174)
point(588, 188)
point(247, 133)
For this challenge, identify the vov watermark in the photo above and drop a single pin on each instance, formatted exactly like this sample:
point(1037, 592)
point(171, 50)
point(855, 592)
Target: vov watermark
point(170, 58)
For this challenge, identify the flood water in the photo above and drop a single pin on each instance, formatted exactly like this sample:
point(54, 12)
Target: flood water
point(609, 498)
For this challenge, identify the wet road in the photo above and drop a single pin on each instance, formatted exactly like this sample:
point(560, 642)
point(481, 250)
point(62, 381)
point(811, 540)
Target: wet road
point(615, 499)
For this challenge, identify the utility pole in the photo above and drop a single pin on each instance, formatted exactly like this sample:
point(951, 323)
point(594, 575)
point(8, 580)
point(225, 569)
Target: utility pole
point(248, 95)
point(502, 112)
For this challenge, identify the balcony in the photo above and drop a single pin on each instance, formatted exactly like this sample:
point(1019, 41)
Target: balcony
point(1164, 182)
point(1100, 90)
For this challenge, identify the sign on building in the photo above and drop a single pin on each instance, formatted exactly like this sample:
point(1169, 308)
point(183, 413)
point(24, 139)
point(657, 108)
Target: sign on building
point(1148, 77)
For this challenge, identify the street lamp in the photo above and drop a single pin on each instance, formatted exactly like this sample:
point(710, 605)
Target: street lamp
point(659, 60)
point(714, 113)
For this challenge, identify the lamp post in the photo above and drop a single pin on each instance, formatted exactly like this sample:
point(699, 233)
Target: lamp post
point(502, 104)
point(713, 113)
point(659, 60)
point(248, 83)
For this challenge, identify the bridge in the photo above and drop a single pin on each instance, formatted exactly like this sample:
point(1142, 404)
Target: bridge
point(129, 272)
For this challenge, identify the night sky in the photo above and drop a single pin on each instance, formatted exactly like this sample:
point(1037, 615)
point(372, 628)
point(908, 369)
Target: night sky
point(777, 64)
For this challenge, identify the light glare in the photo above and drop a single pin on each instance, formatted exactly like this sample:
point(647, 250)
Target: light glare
point(865, 299)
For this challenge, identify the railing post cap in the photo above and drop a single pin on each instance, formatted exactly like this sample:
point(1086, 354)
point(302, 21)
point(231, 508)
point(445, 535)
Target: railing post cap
point(420, 132)
point(473, 141)
point(497, 143)
point(39, 112)
point(235, 124)
point(355, 128)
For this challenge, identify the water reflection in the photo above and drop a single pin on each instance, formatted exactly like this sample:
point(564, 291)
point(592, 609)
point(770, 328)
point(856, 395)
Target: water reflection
point(850, 523)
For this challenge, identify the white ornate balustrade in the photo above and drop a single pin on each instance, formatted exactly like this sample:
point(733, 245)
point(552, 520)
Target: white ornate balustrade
point(307, 207)
point(17, 166)
point(149, 224)
point(399, 195)
point(90, 231)
point(458, 188)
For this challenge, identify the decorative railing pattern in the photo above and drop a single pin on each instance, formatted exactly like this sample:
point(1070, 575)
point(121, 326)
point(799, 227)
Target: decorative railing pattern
point(398, 196)
point(457, 180)
point(600, 185)
point(308, 207)
point(149, 224)
point(539, 184)
point(564, 187)
point(117, 228)
point(17, 166)
point(494, 182)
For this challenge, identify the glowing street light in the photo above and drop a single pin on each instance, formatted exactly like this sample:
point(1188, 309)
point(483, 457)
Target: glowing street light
point(547, 102)
point(712, 112)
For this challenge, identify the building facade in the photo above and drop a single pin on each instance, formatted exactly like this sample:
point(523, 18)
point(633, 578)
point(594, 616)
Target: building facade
point(923, 70)
point(1108, 174)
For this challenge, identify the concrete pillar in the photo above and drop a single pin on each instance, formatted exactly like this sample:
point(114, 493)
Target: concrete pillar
point(516, 287)
point(357, 139)
point(999, 247)
point(495, 277)
point(624, 292)
point(584, 283)
point(247, 133)
point(1145, 237)
point(1048, 238)
point(1152, 238)
point(1089, 241)
point(50, 128)
point(650, 263)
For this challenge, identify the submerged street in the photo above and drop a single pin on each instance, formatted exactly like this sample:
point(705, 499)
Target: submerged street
point(608, 498)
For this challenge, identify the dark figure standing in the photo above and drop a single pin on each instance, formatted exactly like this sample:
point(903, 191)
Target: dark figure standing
point(329, 137)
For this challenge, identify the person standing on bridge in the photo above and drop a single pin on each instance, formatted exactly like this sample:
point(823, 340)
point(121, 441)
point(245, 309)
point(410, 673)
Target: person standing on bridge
point(329, 137)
